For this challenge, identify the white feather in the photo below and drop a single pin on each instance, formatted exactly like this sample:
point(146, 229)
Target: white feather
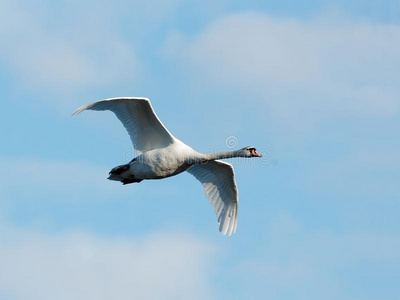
point(218, 180)
point(138, 117)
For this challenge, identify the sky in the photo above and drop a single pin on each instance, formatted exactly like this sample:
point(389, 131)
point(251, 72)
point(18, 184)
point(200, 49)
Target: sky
point(313, 85)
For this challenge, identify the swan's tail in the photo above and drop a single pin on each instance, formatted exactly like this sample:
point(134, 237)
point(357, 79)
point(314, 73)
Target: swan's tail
point(121, 173)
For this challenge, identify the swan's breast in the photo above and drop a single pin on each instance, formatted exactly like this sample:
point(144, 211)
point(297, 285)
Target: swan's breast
point(160, 163)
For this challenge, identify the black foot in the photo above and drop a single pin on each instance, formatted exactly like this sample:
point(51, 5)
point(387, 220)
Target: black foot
point(128, 181)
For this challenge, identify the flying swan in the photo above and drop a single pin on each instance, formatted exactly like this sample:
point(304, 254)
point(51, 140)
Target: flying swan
point(162, 155)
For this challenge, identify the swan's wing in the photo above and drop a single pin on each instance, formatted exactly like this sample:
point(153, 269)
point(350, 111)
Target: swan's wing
point(138, 117)
point(218, 180)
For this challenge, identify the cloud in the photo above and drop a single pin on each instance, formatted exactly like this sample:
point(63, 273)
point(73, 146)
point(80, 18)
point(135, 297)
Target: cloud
point(49, 50)
point(294, 260)
point(315, 67)
point(370, 172)
point(83, 266)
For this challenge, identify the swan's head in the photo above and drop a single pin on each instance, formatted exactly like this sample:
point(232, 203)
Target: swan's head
point(249, 151)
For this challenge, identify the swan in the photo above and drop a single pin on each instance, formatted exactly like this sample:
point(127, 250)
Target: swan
point(161, 155)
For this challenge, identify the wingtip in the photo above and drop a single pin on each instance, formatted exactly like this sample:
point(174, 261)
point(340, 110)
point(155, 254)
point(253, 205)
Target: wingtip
point(98, 103)
point(80, 109)
point(228, 228)
point(229, 231)
point(228, 221)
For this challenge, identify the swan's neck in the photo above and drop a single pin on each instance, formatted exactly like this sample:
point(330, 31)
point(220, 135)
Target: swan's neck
point(221, 155)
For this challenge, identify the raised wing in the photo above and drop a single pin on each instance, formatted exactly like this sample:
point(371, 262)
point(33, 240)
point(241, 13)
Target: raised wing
point(138, 117)
point(218, 180)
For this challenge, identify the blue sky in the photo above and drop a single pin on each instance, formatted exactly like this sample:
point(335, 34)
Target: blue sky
point(314, 85)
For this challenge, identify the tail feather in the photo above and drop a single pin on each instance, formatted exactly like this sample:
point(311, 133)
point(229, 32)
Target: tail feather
point(117, 174)
point(119, 170)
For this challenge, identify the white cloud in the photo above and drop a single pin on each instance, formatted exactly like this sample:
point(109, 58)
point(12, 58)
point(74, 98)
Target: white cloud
point(370, 172)
point(57, 53)
point(324, 65)
point(81, 266)
point(327, 264)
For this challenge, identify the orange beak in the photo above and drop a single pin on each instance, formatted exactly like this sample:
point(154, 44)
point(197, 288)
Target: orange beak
point(256, 154)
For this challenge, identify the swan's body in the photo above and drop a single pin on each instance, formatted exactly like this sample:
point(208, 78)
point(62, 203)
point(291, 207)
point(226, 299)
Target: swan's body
point(161, 155)
point(163, 162)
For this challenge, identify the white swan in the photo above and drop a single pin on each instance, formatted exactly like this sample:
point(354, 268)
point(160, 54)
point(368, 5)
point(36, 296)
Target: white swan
point(161, 155)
